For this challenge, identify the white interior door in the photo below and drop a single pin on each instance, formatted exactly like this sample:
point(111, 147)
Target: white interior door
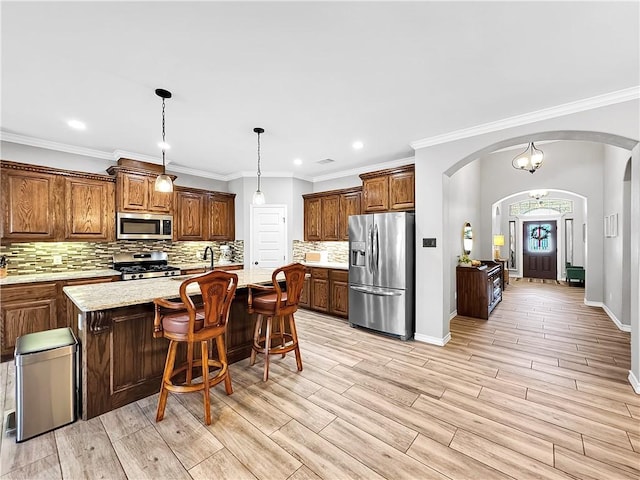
point(268, 236)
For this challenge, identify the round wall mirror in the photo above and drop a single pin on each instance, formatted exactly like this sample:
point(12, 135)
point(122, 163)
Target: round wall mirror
point(467, 238)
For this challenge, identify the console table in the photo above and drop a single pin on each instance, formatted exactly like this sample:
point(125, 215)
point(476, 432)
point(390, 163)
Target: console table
point(479, 289)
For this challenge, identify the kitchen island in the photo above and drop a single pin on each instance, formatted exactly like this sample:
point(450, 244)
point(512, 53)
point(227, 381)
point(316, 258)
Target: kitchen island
point(121, 362)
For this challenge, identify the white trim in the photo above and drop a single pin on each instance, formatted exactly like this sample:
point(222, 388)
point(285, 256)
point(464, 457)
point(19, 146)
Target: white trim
point(620, 96)
point(453, 314)
point(48, 144)
point(634, 382)
point(619, 324)
point(589, 303)
point(364, 169)
point(441, 342)
point(195, 172)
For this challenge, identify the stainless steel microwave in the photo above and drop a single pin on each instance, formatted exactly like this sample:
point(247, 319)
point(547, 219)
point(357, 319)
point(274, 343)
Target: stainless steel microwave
point(143, 226)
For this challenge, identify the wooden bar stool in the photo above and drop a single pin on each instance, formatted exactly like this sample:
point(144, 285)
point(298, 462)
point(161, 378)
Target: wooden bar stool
point(182, 322)
point(272, 303)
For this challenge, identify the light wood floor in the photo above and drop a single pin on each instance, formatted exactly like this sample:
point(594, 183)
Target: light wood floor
point(538, 391)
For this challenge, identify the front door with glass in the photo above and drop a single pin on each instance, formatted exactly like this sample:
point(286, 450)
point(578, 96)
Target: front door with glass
point(539, 250)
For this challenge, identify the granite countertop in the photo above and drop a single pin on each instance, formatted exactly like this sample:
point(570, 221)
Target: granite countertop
point(104, 296)
point(334, 265)
point(55, 276)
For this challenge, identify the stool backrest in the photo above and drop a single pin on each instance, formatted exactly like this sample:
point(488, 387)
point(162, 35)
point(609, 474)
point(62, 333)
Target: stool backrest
point(218, 289)
point(294, 279)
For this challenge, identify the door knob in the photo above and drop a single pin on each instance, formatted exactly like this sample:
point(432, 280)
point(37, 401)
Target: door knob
point(255, 263)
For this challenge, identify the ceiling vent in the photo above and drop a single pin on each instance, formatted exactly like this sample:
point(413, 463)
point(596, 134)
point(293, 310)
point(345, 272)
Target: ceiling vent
point(325, 161)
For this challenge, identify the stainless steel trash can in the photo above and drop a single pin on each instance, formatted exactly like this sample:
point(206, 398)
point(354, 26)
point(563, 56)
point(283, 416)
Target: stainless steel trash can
point(45, 381)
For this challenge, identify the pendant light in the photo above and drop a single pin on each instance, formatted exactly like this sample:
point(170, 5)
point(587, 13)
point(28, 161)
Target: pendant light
point(258, 196)
point(163, 182)
point(529, 160)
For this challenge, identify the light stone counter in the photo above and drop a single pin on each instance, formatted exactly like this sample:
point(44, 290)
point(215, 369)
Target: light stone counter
point(334, 265)
point(105, 296)
point(55, 276)
point(204, 264)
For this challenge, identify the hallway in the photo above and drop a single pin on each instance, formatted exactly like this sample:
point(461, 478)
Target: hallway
point(537, 391)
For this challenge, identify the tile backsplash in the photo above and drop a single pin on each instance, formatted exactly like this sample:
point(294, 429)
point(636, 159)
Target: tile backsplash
point(337, 251)
point(39, 257)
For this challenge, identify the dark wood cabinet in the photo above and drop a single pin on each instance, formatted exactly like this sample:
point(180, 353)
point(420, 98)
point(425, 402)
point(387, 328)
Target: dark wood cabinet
point(326, 214)
point(190, 213)
point(350, 204)
point(305, 296)
point(339, 292)
point(320, 289)
point(312, 218)
point(135, 188)
point(479, 289)
point(330, 210)
point(48, 204)
point(222, 216)
point(90, 209)
point(388, 190)
point(28, 205)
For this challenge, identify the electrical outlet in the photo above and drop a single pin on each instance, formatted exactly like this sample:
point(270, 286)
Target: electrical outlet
point(57, 259)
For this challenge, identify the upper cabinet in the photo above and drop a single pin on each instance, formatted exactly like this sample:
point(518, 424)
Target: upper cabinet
point(47, 204)
point(90, 209)
point(135, 188)
point(204, 215)
point(388, 190)
point(326, 214)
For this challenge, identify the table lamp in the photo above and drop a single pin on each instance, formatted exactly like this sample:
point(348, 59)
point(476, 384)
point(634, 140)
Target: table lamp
point(498, 241)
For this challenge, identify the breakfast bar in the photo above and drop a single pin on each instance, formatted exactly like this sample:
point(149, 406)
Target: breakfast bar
point(120, 361)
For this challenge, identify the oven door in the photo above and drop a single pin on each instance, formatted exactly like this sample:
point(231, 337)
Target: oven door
point(143, 226)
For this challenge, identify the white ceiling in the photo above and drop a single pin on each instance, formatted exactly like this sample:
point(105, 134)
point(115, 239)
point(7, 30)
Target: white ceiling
point(315, 76)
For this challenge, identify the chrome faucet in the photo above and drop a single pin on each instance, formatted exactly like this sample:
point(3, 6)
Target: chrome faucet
point(208, 250)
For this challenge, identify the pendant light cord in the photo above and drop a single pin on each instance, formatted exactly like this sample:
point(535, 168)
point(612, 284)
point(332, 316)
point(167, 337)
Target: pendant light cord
point(258, 161)
point(163, 142)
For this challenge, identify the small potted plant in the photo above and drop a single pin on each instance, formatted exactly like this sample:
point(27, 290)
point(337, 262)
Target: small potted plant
point(3, 266)
point(464, 260)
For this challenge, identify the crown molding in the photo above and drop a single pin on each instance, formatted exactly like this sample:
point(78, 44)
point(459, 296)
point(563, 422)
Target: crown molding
point(364, 169)
point(118, 154)
point(591, 103)
point(195, 172)
point(61, 147)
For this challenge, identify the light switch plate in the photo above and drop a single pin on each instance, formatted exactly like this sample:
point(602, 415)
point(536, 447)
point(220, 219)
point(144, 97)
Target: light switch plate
point(428, 242)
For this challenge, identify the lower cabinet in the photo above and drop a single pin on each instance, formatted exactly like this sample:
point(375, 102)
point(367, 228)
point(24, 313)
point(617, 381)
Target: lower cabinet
point(326, 290)
point(34, 307)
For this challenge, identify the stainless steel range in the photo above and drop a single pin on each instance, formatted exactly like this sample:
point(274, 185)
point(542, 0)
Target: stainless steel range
point(135, 266)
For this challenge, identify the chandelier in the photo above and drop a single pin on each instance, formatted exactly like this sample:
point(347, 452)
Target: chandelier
point(530, 159)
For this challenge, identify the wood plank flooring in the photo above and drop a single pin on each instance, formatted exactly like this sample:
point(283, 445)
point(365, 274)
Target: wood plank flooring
point(538, 391)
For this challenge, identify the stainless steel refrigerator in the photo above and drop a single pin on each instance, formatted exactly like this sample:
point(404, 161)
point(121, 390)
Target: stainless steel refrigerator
point(381, 272)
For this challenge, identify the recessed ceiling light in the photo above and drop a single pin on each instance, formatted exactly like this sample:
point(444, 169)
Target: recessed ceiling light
point(164, 145)
point(77, 125)
point(297, 161)
point(357, 145)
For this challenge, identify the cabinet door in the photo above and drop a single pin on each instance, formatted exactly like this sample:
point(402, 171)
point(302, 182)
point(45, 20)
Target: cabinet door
point(330, 208)
point(25, 309)
point(320, 294)
point(350, 204)
point(339, 284)
point(375, 194)
point(221, 218)
point(159, 202)
point(89, 209)
point(189, 213)
point(28, 201)
point(312, 220)
point(305, 296)
point(401, 191)
point(134, 192)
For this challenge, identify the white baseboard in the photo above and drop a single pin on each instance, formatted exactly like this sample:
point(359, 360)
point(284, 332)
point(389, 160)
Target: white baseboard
point(441, 342)
point(634, 382)
point(453, 315)
point(621, 326)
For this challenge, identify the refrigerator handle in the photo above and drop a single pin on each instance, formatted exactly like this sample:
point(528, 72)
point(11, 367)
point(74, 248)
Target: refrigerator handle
point(377, 247)
point(370, 249)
